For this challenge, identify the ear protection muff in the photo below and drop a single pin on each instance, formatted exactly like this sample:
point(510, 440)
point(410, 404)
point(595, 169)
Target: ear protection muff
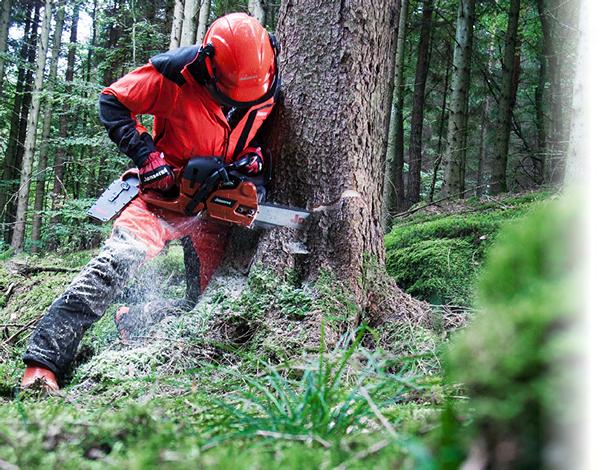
point(205, 54)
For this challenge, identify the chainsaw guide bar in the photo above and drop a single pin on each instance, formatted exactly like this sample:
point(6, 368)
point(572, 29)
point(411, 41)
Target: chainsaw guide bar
point(237, 205)
point(114, 199)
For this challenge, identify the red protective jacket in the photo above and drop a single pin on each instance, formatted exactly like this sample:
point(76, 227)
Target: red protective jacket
point(187, 121)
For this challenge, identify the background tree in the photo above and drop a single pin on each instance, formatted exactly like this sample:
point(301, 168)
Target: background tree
point(498, 182)
point(18, 118)
point(4, 25)
point(394, 186)
point(60, 159)
point(42, 165)
point(189, 28)
point(202, 23)
point(417, 109)
point(177, 24)
point(256, 10)
point(31, 131)
point(454, 174)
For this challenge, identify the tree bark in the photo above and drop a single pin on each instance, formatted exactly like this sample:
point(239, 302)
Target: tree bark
point(19, 113)
point(189, 29)
point(548, 11)
point(329, 136)
point(40, 187)
point(256, 10)
point(576, 174)
point(454, 174)
point(60, 158)
point(177, 24)
point(23, 193)
point(202, 23)
point(439, 147)
point(482, 156)
point(417, 110)
point(394, 187)
point(4, 26)
point(498, 164)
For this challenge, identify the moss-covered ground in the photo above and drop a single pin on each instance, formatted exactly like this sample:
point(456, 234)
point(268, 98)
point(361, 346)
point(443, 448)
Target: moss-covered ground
point(265, 373)
point(437, 253)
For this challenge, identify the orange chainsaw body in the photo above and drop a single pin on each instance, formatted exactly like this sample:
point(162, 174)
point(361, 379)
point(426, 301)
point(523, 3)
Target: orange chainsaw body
point(235, 202)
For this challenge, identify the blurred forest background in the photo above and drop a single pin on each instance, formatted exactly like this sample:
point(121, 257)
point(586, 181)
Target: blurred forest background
point(482, 99)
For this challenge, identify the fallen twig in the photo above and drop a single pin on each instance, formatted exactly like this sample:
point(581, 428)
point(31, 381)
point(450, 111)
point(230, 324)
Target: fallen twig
point(20, 330)
point(24, 269)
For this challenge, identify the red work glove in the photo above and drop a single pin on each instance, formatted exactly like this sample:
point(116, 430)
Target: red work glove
point(155, 173)
point(250, 161)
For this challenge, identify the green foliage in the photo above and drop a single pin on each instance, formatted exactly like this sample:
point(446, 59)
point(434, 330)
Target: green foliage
point(74, 230)
point(437, 257)
point(515, 360)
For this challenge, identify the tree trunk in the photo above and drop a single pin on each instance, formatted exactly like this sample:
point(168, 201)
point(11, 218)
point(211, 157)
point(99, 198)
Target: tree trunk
point(417, 110)
point(540, 122)
point(540, 95)
point(40, 187)
point(202, 23)
point(189, 29)
point(256, 10)
point(576, 174)
point(454, 174)
point(439, 147)
point(60, 158)
point(548, 11)
point(482, 157)
point(498, 167)
point(329, 136)
point(394, 187)
point(4, 26)
point(20, 106)
point(177, 24)
point(23, 194)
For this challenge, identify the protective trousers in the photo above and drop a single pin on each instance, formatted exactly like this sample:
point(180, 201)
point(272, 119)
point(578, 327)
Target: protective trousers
point(138, 234)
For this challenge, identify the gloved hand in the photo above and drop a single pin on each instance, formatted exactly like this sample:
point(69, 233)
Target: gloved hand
point(155, 173)
point(250, 161)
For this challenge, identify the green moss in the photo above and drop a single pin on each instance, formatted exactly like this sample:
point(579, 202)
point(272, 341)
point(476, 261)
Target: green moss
point(440, 271)
point(437, 257)
point(515, 359)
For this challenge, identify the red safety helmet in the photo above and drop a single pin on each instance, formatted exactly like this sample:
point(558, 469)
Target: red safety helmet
point(241, 61)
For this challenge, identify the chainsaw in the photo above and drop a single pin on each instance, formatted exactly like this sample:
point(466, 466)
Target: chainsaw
point(207, 187)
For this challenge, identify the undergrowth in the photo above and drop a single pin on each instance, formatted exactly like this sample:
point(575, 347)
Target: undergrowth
point(261, 374)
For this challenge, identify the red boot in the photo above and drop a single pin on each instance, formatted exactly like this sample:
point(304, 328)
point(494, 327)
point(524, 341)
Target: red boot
point(38, 375)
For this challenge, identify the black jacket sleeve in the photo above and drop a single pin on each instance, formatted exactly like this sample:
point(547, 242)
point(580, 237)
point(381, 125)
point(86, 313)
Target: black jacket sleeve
point(121, 127)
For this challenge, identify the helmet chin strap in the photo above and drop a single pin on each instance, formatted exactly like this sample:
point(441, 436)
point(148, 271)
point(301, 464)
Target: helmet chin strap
point(211, 82)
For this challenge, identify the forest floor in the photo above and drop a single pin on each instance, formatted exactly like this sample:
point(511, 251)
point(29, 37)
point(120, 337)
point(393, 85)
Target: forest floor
point(240, 381)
